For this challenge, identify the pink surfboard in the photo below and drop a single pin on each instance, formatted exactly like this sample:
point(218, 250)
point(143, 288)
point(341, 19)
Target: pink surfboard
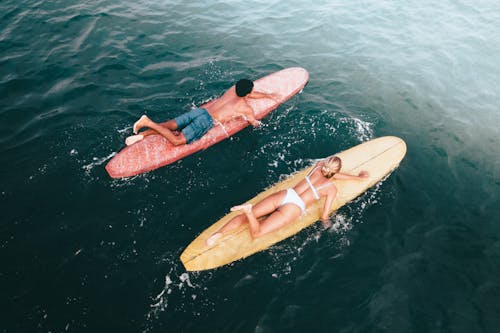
point(154, 151)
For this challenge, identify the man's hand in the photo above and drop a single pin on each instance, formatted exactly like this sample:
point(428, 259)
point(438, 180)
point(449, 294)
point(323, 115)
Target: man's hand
point(257, 94)
point(276, 97)
point(256, 123)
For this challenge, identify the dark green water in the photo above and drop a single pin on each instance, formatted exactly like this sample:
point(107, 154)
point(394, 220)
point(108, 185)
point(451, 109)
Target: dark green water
point(81, 252)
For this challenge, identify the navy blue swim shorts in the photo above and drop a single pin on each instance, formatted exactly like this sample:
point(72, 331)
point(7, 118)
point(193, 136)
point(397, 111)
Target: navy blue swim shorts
point(194, 124)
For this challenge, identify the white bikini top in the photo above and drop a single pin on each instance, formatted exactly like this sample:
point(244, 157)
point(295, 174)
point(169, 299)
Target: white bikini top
point(314, 189)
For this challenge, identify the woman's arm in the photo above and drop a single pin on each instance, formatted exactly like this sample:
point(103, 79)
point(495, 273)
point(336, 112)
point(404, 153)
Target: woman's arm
point(330, 197)
point(345, 176)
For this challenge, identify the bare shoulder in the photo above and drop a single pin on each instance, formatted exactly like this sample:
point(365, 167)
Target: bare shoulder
point(244, 106)
point(238, 104)
point(230, 93)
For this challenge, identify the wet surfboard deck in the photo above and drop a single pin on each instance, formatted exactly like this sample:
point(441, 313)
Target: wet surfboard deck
point(378, 156)
point(155, 151)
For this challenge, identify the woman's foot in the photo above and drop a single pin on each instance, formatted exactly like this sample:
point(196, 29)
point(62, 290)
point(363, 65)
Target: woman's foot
point(211, 240)
point(247, 208)
point(142, 122)
point(133, 139)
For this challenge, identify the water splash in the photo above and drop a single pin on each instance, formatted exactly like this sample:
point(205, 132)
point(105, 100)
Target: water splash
point(97, 161)
point(176, 286)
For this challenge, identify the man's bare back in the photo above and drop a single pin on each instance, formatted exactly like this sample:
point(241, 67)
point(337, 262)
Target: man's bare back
point(230, 106)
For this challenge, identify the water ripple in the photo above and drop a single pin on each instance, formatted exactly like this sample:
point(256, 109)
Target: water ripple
point(75, 75)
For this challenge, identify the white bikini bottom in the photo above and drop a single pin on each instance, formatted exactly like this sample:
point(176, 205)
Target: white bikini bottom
point(292, 197)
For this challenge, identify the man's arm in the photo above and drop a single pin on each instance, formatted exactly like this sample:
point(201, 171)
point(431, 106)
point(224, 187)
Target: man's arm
point(247, 114)
point(258, 94)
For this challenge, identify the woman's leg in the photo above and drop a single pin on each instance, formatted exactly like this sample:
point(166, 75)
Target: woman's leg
point(278, 219)
point(264, 207)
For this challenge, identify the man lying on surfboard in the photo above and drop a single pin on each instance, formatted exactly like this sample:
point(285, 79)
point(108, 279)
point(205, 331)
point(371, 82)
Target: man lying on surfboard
point(284, 207)
point(195, 123)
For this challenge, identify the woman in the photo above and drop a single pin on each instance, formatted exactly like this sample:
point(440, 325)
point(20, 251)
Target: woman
point(284, 207)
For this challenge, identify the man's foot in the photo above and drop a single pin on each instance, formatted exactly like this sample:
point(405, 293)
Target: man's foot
point(142, 122)
point(247, 208)
point(133, 139)
point(211, 240)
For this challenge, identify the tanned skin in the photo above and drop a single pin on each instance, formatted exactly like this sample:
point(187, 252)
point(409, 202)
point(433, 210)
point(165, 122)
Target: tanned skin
point(224, 109)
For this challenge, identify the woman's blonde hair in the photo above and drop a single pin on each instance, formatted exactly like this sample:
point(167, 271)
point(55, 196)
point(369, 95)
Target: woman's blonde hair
point(332, 165)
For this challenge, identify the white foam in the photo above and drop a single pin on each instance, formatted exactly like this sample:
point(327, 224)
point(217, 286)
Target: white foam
point(175, 286)
point(341, 224)
point(185, 278)
point(126, 129)
point(96, 162)
point(364, 129)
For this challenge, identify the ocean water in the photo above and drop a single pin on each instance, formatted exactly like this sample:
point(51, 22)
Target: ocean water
point(81, 252)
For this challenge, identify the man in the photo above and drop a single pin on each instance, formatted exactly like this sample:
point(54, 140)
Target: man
point(195, 123)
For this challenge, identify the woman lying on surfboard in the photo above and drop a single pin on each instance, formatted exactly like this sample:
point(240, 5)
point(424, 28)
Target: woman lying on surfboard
point(284, 207)
point(195, 123)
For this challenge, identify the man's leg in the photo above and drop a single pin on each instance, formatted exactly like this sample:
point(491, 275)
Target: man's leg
point(163, 130)
point(142, 122)
point(138, 137)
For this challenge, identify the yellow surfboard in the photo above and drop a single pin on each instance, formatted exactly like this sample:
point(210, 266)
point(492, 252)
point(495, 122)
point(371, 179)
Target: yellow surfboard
point(378, 156)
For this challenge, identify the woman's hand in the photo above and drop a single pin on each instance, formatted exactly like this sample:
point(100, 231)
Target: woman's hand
point(363, 174)
point(327, 222)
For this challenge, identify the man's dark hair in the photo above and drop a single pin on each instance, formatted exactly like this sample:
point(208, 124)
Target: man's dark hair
point(243, 87)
